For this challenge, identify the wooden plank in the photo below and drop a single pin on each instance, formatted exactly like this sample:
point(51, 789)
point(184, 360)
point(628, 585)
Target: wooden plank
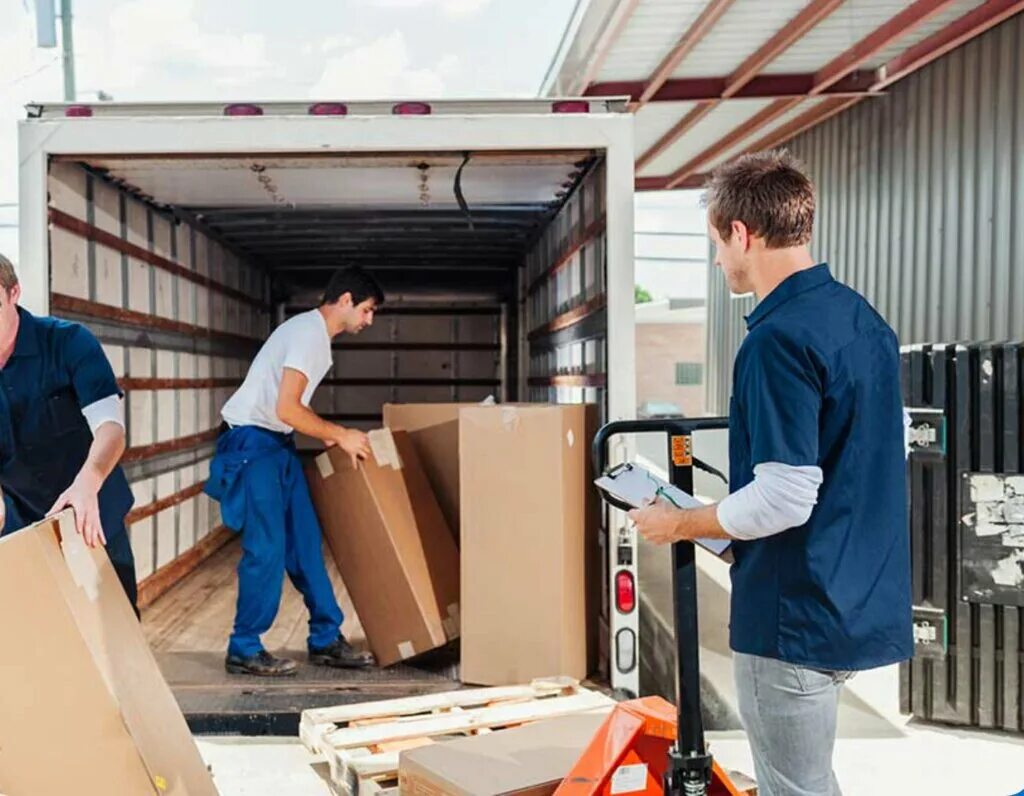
point(141, 512)
point(587, 236)
point(89, 232)
point(570, 318)
point(135, 384)
point(170, 446)
point(164, 578)
point(466, 721)
point(141, 320)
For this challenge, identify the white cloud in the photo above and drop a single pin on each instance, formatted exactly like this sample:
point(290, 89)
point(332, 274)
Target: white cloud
point(453, 8)
point(382, 69)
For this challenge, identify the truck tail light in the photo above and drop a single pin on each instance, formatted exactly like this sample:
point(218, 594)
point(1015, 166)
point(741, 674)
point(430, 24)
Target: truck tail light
point(328, 109)
point(78, 111)
point(242, 109)
point(411, 109)
point(570, 106)
point(625, 591)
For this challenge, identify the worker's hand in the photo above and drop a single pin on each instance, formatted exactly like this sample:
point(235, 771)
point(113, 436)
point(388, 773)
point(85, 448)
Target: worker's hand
point(83, 497)
point(657, 522)
point(355, 443)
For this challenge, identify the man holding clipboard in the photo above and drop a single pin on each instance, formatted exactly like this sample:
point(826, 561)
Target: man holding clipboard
point(817, 514)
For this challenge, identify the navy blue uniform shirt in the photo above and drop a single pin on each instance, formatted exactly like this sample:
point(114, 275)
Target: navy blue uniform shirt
point(57, 368)
point(817, 382)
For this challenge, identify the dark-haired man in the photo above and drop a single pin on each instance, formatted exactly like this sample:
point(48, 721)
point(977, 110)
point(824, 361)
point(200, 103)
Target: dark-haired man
point(821, 579)
point(257, 477)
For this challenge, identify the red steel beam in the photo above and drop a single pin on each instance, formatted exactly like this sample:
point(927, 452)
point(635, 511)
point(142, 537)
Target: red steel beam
point(691, 38)
point(813, 13)
point(673, 135)
point(692, 89)
point(661, 183)
point(971, 24)
point(892, 30)
point(756, 122)
point(604, 46)
point(804, 121)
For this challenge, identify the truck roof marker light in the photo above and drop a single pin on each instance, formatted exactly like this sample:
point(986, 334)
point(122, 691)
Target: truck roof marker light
point(328, 109)
point(571, 106)
point(78, 111)
point(243, 109)
point(411, 109)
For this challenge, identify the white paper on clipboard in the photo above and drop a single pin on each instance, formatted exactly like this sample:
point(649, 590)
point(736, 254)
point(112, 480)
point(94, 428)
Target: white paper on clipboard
point(638, 486)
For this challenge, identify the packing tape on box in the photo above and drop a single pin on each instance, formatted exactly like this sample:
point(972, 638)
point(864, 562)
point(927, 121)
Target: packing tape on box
point(406, 649)
point(323, 464)
point(509, 418)
point(382, 443)
point(81, 564)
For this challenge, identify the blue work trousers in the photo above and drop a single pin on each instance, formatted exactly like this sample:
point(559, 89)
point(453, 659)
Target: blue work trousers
point(280, 533)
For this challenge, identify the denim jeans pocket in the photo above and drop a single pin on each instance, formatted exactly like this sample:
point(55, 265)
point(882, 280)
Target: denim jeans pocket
point(817, 679)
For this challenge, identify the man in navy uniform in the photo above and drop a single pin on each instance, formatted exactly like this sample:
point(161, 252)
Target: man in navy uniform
point(818, 507)
point(257, 477)
point(62, 429)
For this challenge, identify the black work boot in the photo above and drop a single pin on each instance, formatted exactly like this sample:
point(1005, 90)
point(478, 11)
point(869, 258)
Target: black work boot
point(341, 655)
point(262, 664)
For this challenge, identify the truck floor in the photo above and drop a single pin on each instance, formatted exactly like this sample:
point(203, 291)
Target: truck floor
point(188, 629)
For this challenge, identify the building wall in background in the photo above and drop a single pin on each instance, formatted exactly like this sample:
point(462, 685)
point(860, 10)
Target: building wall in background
point(659, 347)
point(920, 204)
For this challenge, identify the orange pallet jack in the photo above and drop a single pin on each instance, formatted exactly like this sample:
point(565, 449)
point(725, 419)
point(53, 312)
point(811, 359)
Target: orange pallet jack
point(631, 752)
point(647, 743)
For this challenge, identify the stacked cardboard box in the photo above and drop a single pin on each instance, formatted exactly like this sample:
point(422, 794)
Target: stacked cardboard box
point(434, 431)
point(530, 555)
point(392, 545)
point(83, 706)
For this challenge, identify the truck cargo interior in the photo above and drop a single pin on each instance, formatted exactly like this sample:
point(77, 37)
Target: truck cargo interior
point(493, 264)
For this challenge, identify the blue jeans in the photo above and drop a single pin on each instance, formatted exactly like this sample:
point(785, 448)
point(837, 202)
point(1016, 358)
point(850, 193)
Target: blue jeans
point(789, 713)
point(280, 533)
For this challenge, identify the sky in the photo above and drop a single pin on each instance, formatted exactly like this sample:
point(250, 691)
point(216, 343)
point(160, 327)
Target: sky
point(267, 49)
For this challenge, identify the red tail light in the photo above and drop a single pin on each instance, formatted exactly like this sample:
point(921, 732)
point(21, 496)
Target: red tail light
point(411, 109)
point(571, 106)
point(78, 111)
point(243, 110)
point(625, 591)
point(328, 109)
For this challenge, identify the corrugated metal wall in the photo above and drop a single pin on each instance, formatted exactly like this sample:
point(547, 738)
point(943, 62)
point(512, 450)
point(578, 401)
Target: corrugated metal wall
point(920, 204)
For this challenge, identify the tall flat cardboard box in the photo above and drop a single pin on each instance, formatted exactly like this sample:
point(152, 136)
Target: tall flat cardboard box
point(434, 431)
point(83, 706)
point(531, 760)
point(530, 560)
point(392, 546)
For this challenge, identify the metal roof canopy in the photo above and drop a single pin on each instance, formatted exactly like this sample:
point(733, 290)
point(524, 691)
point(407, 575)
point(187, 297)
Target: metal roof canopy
point(301, 214)
point(709, 80)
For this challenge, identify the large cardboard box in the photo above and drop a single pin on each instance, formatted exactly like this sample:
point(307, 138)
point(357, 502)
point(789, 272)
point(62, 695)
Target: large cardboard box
point(526, 761)
point(530, 557)
point(434, 431)
point(392, 545)
point(83, 706)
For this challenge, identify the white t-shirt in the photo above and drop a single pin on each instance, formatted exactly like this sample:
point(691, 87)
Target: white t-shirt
point(300, 343)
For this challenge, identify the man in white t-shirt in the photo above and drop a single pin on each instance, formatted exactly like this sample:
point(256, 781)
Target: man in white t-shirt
point(257, 477)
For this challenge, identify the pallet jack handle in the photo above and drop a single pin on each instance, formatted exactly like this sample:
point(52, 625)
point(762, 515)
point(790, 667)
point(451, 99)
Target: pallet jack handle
point(690, 765)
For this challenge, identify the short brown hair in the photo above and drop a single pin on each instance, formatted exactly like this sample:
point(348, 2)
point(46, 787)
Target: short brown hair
point(769, 192)
point(8, 276)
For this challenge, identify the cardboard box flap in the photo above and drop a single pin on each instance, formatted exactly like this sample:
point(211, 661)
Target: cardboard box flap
point(87, 688)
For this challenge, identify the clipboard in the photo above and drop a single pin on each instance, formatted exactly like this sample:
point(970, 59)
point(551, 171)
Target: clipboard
point(631, 486)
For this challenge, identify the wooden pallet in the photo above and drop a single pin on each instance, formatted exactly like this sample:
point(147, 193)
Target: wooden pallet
point(361, 743)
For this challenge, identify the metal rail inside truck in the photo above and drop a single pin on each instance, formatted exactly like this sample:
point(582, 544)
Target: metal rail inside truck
point(182, 233)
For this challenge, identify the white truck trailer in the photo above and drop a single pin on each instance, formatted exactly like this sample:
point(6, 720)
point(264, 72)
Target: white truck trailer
point(182, 233)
